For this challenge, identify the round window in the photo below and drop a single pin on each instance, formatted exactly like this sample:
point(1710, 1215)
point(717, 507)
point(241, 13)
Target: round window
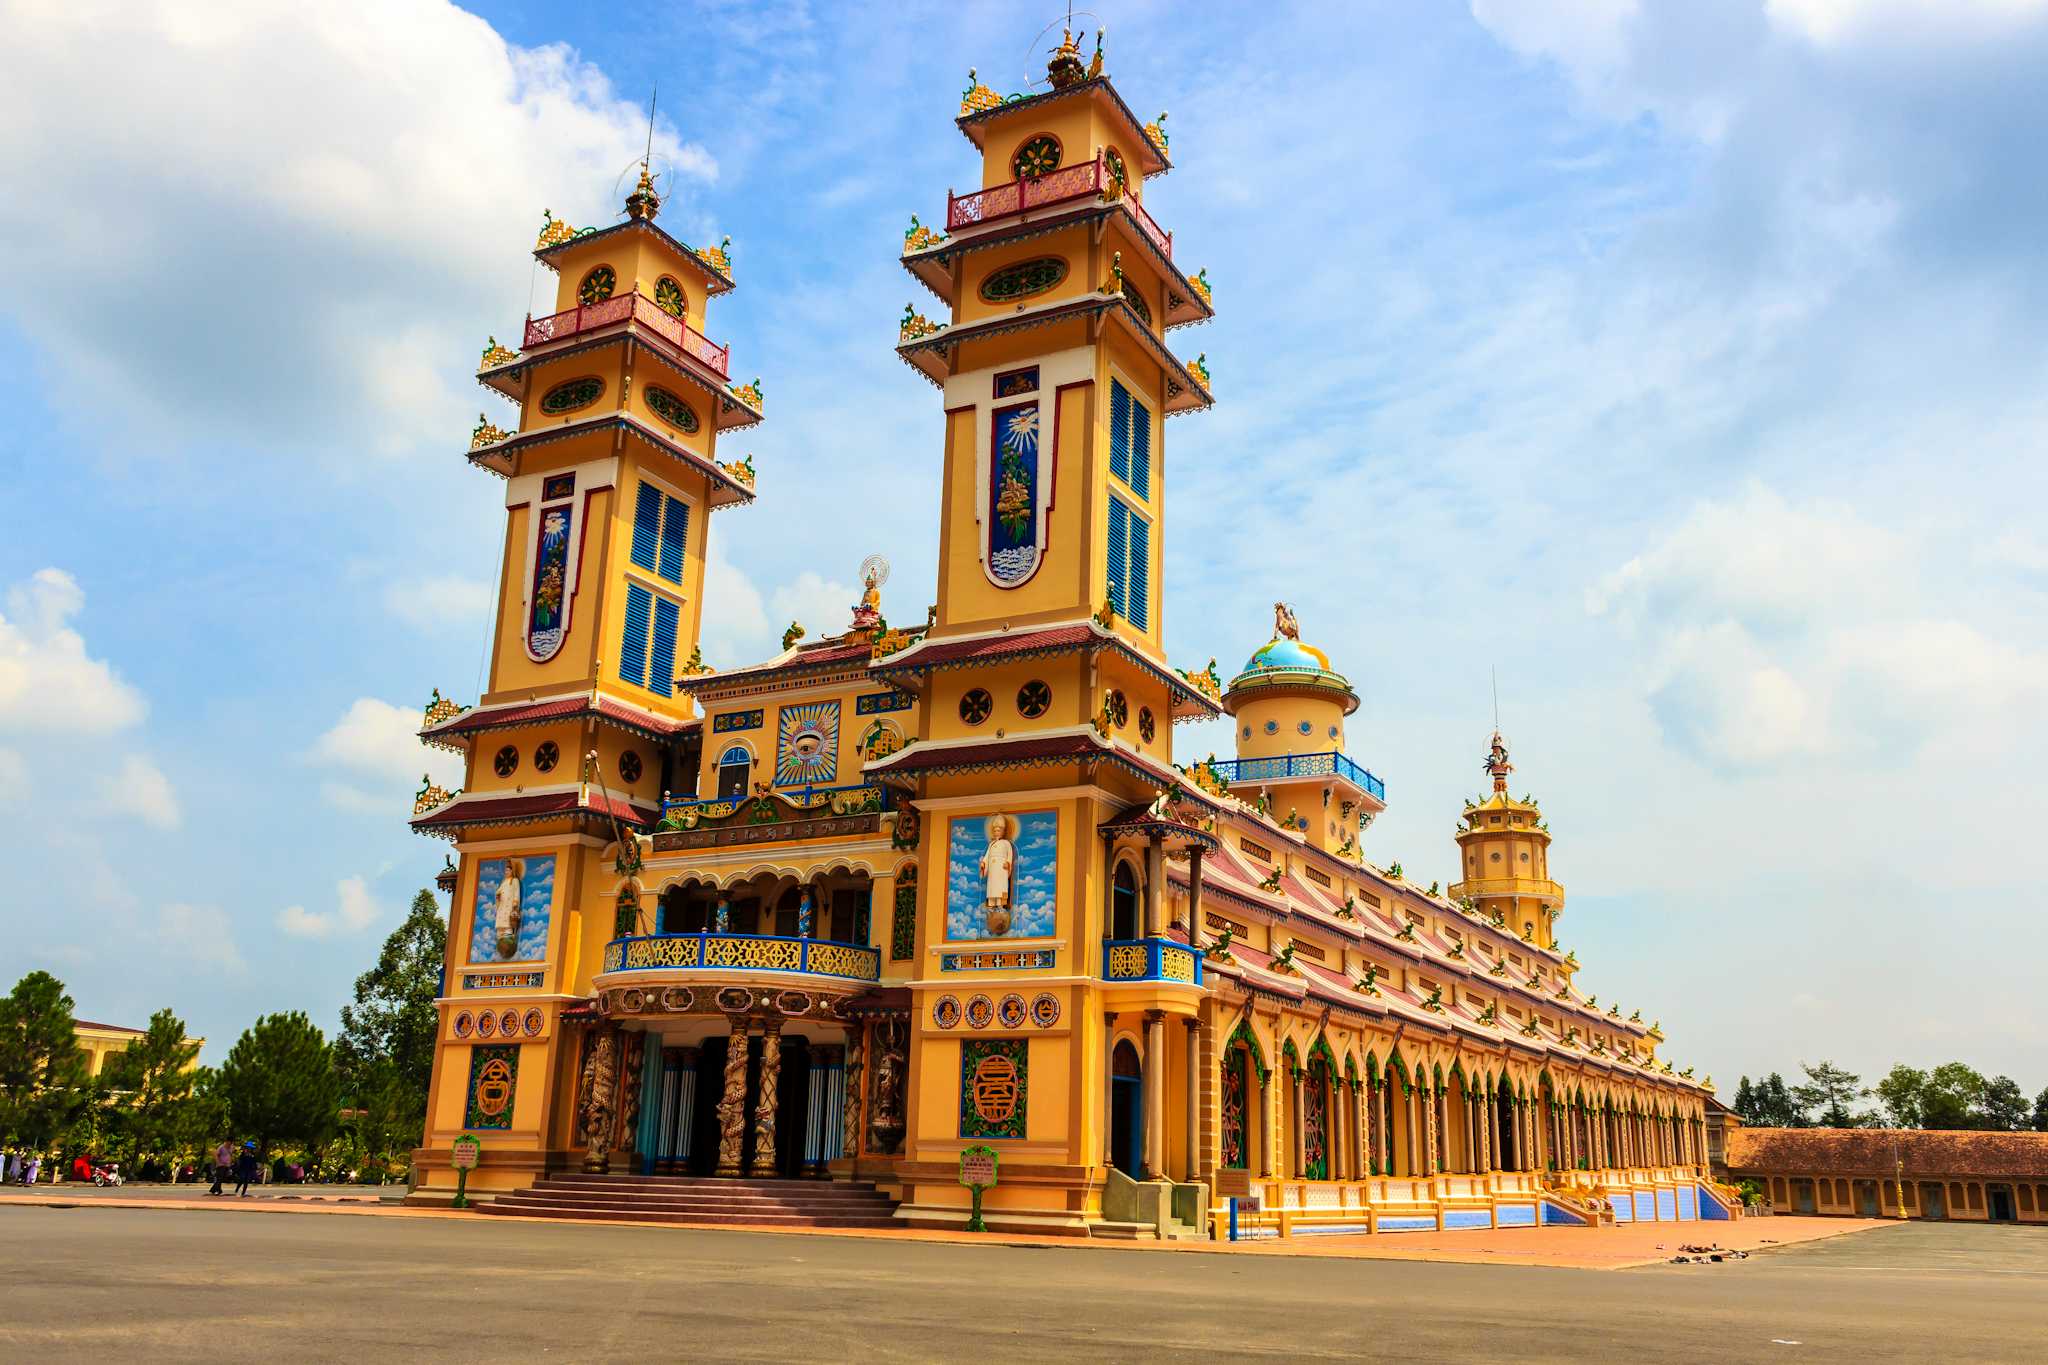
point(976, 706)
point(1147, 728)
point(1037, 156)
point(1022, 279)
point(1247, 732)
point(546, 757)
point(507, 761)
point(629, 766)
point(598, 285)
point(1272, 727)
point(669, 297)
point(1034, 699)
point(1118, 707)
point(1306, 728)
point(572, 394)
point(672, 410)
point(1333, 732)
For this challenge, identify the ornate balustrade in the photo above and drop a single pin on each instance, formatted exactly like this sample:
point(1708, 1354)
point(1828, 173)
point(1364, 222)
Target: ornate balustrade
point(642, 312)
point(1283, 766)
point(1150, 959)
point(859, 798)
point(744, 952)
point(1089, 179)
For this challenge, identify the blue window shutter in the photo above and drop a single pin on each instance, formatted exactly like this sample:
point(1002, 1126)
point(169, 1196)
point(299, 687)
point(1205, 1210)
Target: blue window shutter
point(661, 663)
point(1119, 431)
point(646, 525)
point(1140, 592)
point(1119, 552)
point(1141, 450)
point(675, 531)
point(633, 640)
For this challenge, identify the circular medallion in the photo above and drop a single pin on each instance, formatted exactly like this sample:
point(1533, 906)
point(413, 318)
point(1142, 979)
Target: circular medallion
point(976, 705)
point(980, 1010)
point(572, 394)
point(1034, 699)
point(1022, 279)
point(629, 766)
point(676, 999)
point(631, 1000)
point(1119, 708)
point(486, 1025)
point(535, 1021)
point(995, 1089)
point(669, 296)
point(494, 1088)
point(1010, 1010)
point(508, 1023)
point(1045, 1009)
point(507, 761)
point(946, 1011)
point(598, 285)
point(1036, 157)
point(1147, 727)
point(547, 756)
point(465, 1024)
point(672, 410)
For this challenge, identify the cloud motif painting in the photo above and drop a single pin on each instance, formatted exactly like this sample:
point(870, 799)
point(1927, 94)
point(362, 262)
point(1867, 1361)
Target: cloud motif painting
point(509, 920)
point(1002, 876)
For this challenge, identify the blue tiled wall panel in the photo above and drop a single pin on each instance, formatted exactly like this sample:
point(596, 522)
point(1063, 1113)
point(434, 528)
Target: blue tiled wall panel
point(1556, 1216)
point(1466, 1218)
point(1667, 1205)
point(1710, 1208)
point(1516, 1215)
point(1624, 1209)
point(1407, 1223)
point(1646, 1206)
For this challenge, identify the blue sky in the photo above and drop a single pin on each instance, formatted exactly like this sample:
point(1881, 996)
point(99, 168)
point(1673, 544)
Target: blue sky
point(1683, 362)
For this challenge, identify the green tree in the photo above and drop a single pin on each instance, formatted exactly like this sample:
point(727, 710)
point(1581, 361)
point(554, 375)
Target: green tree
point(1772, 1104)
point(1745, 1101)
point(1828, 1093)
point(44, 1088)
point(1903, 1093)
point(394, 1020)
point(279, 1083)
point(1952, 1098)
point(2003, 1105)
point(149, 1086)
point(2041, 1111)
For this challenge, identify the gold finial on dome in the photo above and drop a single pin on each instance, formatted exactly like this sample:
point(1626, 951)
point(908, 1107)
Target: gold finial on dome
point(643, 203)
point(1065, 69)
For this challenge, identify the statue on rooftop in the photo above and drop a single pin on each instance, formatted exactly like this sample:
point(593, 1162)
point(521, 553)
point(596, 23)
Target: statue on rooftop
point(1285, 627)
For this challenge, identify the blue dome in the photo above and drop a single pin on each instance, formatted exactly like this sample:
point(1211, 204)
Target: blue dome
point(1288, 654)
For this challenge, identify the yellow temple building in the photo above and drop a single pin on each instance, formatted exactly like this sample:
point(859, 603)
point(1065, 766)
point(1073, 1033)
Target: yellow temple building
point(781, 942)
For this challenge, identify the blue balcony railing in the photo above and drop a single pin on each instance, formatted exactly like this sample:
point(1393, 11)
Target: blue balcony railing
point(1327, 764)
point(744, 952)
point(1150, 959)
point(798, 802)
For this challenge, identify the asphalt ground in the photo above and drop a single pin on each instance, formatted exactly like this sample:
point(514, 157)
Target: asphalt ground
point(98, 1283)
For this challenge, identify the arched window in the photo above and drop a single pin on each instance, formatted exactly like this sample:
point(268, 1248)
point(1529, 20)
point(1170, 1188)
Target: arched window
point(735, 766)
point(1123, 903)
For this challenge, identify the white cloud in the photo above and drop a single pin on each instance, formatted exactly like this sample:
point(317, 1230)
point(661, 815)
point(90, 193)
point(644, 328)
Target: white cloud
point(140, 788)
point(47, 681)
point(736, 626)
point(1830, 21)
point(378, 741)
point(820, 605)
point(201, 934)
point(13, 778)
point(354, 912)
point(441, 603)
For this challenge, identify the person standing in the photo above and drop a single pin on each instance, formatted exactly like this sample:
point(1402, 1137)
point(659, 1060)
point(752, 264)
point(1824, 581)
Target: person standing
point(245, 1169)
point(222, 1155)
point(33, 1169)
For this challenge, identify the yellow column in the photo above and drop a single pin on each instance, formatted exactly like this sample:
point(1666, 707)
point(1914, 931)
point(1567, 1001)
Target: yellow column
point(1194, 1104)
point(1155, 1094)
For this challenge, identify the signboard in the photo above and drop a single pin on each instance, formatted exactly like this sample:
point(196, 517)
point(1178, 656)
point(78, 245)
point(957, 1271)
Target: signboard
point(465, 1154)
point(978, 1173)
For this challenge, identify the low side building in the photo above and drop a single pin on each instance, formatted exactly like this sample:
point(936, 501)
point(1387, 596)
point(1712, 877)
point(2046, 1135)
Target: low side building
point(1868, 1172)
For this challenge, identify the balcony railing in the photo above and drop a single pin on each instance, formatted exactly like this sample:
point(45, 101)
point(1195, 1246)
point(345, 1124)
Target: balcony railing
point(1086, 180)
point(859, 798)
point(1150, 959)
point(1283, 766)
point(643, 312)
point(744, 952)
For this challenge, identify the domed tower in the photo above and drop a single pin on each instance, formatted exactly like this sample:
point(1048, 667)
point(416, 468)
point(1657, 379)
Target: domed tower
point(1505, 848)
point(1290, 706)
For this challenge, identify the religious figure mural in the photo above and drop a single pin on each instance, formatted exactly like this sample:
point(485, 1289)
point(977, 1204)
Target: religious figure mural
point(807, 744)
point(547, 621)
point(1002, 873)
point(513, 900)
point(1014, 524)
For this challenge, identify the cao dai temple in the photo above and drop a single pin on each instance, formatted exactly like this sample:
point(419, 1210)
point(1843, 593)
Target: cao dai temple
point(823, 922)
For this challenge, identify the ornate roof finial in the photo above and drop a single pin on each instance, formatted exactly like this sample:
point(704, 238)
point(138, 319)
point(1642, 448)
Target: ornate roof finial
point(1065, 68)
point(643, 203)
point(1285, 627)
point(1095, 66)
point(1497, 763)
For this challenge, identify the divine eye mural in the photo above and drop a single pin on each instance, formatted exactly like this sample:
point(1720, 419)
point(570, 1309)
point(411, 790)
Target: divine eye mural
point(1014, 525)
point(1002, 875)
point(807, 743)
point(547, 620)
point(509, 922)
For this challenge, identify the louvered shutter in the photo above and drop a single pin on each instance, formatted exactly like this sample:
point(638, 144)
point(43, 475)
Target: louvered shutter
point(1141, 450)
point(1140, 571)
point(661, 665)
point(1119, 552)
point(646, 525)
point(633, 639)
point(675, 531)
point(1119, 431)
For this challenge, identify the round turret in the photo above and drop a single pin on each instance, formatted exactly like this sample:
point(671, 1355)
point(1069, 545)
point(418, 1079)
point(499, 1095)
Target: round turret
point(1287, 699)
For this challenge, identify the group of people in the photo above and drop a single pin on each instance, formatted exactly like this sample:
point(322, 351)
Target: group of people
point(22, 1170)
point(242, 1166)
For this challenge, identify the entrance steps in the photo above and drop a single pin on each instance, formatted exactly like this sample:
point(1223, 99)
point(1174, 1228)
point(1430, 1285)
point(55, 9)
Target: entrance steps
point(706, 1201)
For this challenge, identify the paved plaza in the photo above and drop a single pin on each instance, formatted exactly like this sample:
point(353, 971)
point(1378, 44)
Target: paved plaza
point(99, 1282)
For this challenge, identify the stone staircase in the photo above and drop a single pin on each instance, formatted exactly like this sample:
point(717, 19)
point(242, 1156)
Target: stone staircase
point(703, 1201)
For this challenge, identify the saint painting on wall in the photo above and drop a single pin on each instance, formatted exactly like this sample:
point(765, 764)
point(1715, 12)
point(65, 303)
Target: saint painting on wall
point(547, 623)
point(1002, 874)
point(1014, 523)
point(514, 897)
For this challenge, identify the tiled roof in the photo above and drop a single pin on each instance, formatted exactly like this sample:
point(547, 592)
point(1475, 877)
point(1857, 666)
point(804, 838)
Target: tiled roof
point(502, 810)
point(1024, 751)
point(822, 655)
point(481, 718)
point(1875, 1151)
point(929, 654)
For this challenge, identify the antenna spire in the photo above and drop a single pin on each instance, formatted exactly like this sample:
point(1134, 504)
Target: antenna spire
point(647, 158)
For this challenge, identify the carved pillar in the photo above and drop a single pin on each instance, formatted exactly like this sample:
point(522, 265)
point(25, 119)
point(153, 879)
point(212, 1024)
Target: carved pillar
point(805, 910)
point(1431, 1160)
point(856, 1056)
point(732, 1103)
point(765, 1099)
point(598, 1096)
point(1155, 886)
point(1269, 1117)
point(1195, 1072)
point(1295, 1079)
point(722, 917)
point(1155, 1095)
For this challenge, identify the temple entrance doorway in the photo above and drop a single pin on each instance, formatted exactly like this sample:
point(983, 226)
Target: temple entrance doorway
point(1932, 1204)
point(1127, 1112)
point(2000, 1203)
point(792, 1107)
point(1506, 1158)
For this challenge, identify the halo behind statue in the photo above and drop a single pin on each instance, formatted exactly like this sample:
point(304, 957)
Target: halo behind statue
point(874, 569)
